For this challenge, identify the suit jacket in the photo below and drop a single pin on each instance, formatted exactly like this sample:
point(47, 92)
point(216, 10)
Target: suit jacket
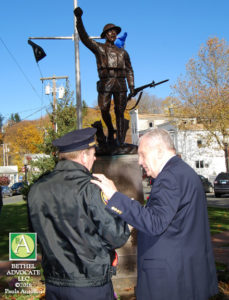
point(175, 257)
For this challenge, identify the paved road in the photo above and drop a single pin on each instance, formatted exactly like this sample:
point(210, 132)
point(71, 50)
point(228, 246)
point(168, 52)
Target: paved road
point(218, 202)
point(212, 201)
point(13, 199)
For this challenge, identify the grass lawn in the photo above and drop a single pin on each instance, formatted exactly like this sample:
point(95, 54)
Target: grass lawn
point(13, 218)
point(219, 219)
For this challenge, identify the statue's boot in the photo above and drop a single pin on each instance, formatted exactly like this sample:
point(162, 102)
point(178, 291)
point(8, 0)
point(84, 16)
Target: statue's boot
point(107, 119)
point(120, 131)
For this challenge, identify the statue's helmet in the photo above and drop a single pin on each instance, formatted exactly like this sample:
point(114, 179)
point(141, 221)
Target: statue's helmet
point(108, 27)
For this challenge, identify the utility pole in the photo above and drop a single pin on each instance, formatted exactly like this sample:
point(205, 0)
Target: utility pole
point(226, 157)
point(75, 38)
point(3, 152)
point(54, 89)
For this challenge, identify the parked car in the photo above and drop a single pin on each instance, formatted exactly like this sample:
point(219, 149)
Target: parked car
point(221, 184)
point(17, 187)
point(6, 191)
point(208, 187)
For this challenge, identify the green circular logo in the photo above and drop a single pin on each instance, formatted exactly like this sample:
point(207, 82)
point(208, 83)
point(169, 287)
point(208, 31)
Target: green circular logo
point(23, 245)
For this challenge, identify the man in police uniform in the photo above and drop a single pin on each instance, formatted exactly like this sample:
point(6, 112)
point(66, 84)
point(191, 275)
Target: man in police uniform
point(77, 235)
point(114, 68)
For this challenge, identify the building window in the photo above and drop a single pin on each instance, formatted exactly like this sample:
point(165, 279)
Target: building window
point(199, 164)
point(199, 143)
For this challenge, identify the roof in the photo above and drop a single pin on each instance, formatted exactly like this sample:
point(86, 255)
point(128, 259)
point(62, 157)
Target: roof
point(8, 169)
point(152, 116)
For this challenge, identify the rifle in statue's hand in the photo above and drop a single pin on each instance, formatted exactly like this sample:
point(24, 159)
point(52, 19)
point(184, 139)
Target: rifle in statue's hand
point(140, 89)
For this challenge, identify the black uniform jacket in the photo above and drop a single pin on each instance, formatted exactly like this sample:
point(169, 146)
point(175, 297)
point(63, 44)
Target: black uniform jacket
point(175, 257)
point(76, 234)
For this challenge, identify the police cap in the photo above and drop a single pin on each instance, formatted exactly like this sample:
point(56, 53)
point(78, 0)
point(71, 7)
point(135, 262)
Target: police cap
point(76, 140)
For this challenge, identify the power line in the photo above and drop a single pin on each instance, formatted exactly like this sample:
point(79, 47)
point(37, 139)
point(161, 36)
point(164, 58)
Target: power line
point(20, 112)
point(20, 68)
point(47, 106)
point(31, 115)
point(37, 110)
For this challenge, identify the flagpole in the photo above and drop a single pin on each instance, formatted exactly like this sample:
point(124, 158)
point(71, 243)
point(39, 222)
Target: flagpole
point(77, 74)
point(74, 37)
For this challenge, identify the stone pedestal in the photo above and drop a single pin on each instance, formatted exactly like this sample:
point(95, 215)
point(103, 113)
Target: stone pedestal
point(124, 171)
point(126, 174)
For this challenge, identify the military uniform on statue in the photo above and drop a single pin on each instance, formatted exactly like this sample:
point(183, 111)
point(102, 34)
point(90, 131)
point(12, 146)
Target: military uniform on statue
point(114, 68)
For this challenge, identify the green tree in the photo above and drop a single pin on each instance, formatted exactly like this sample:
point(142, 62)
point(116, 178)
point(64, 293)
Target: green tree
point(62, 120)
point(15, 118)
point(1, 121)
point(84, 108)
point(204, 92)
point(64, 116)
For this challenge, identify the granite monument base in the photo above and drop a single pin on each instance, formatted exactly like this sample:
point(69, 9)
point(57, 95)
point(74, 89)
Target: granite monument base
point(127, 176)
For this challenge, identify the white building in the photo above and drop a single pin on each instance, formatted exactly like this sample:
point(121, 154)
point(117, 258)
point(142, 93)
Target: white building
point(11, 172)
point(190, 144)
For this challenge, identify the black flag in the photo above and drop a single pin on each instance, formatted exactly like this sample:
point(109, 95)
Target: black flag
point(39, 53)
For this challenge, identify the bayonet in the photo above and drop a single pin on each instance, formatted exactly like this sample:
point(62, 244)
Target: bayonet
point(140, 89)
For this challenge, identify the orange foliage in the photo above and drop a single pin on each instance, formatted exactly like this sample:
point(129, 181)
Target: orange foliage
point(21, 138)
point(94, 114)
point(24, 137)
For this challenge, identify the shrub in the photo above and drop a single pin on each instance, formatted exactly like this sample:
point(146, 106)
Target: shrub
point(4, 180)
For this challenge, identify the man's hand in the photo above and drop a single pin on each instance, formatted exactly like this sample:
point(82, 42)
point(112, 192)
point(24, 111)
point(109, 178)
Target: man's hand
point(78, 12)
point(106, 185)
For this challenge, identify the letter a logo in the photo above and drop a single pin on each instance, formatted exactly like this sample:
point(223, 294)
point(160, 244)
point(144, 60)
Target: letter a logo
point(22, 246)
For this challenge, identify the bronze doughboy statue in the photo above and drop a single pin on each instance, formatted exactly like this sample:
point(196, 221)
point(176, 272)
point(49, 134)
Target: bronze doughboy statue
point(114, 68)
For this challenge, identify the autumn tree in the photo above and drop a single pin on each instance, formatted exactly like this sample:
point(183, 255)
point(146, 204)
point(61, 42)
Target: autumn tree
point(150, 104)
point(22, 138)
point(204, 92)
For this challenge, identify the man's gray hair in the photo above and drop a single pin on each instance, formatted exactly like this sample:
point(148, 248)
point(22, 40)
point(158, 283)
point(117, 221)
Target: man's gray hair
point(160, 136)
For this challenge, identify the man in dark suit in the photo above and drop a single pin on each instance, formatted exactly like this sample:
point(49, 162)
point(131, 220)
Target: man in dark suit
point(175, 257)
